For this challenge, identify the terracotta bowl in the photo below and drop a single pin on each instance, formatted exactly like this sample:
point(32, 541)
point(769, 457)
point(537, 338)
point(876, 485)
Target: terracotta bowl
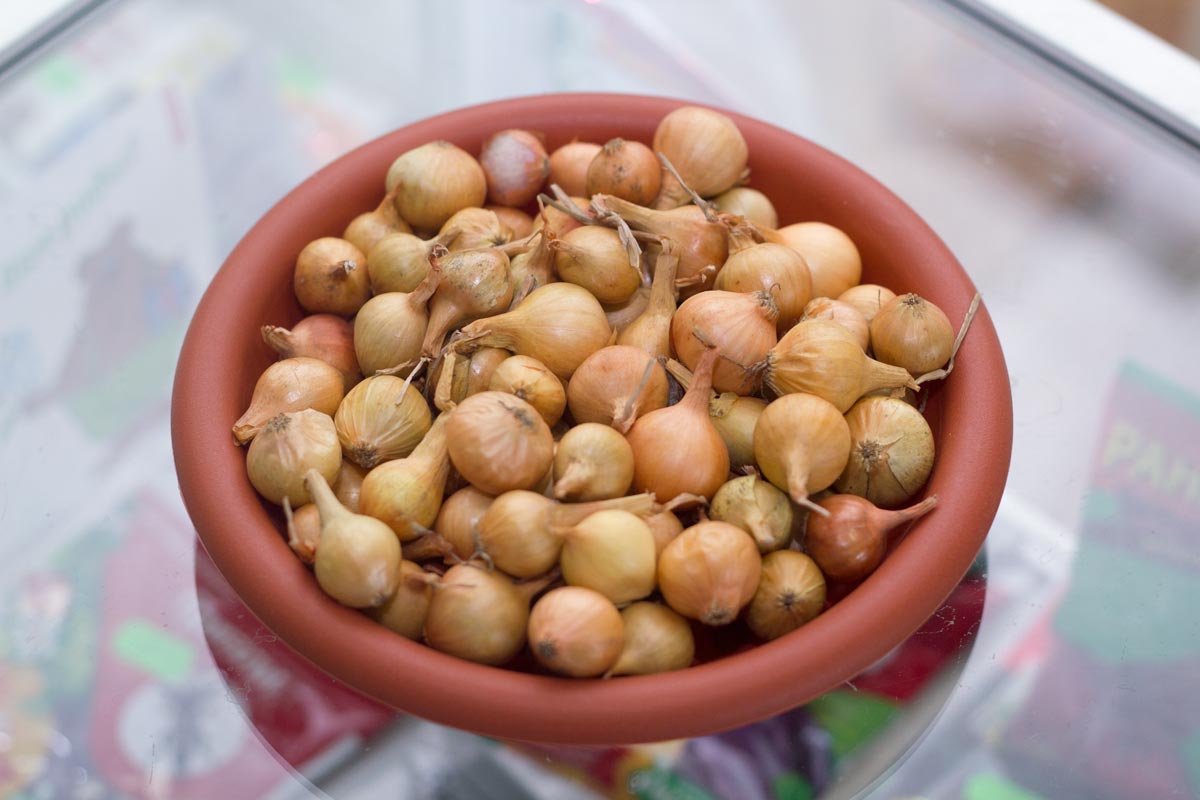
point(740, 681)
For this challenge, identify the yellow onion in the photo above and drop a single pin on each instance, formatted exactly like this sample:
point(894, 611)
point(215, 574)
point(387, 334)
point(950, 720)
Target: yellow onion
point(790, 593)
point(734, 417)
point(358, 558)
point(499, 442)
point(615, 385)
point(304, 530)
point(399, 262)
point(530, 380)
point(594, 258)
point(756, 507)
point(833, 260)
point(457, 376)
point(367, 229)
point(801, 444)
point(843, 314)
point(707, 150)
point(474, 284)
point(516, 166)
point(592, 462)
point(664, 526)
point(516, 220)
point(382, 418)
point(821, 357)
point(611, 552)
point(699, 243)
point(912, 333)
point(325, 337)
point(292, 384)
point(742, 326)
point(709, 572)
point(676, 450)
point(651, 330)
point(752, 204)
point(868, 298)
point(479, 615)
point(389, 328)
point(656, 640)
point(431, 182)
point(404, 612)
point(559, 324)
point(569, 167)
point(331, 277)
point(406, 493)
point(625, 169)
point(458, 520)
point(531, 269)
point(473, 228)
point(521, 531)
point(285, 450)
point(575, 631)
point(891, 452)
point(773, 268)
point(349, 484)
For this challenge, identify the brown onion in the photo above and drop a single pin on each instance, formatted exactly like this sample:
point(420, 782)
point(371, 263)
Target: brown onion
point(382, 418)
point(709, 572)
point(832, 258)
point(405, 611)
point(576, 631)
point(742, 326)
point(331, 277)
point(656, 640)
point(406, 493)
point(325, 337)
point(458, 519)
point(625, 169)
point(368, 228)
point(399, 262)
point(517, 221)
point(594, 258)
point(891, 451)
point(499, 442)
point(431, 182)
point(473, 228)
point(287, 448)
point(849, 542)
point(913, 333)
point(358, 558)
point(390, 327)
point(651, 331)
point(479, 615)
point(868, 298)
point(615, 385)
point(292, 384)
point(752, 204)
point(707, 150)
point(676, 450)
point(801, 444)
point(530, 380)
point(592, 462)
point(474, 284)
point(758, 508)
point(611, 552)
point(569, 166)
point(843, 314)
point(516, 166)
point(790, 593)
point(774, 268)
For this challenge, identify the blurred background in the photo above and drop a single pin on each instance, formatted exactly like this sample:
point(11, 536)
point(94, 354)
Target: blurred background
point(140, 139)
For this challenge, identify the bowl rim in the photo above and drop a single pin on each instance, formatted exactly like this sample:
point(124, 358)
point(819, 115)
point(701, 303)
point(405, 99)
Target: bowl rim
point(735, 690)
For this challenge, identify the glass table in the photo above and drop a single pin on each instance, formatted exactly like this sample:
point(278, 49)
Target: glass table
point(139, 144)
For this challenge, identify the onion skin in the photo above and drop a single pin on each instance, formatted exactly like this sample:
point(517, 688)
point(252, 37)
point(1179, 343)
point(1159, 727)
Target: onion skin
point(611, 552)
point(821, 357)
point(710, 572)
point(742, 326)
point(381, 419)
point(833, 261)
point(292, 384)
point(626, 169)
point(289, 446)
point(676, 450)
point(477, 615)
point(791, 592)
point(516, 166)
point(325, 337)
point(752, 204)
point(569, 167)
point(656, 640)
point(651, 330)
point(773, 268)
point(517, 221)
point(405, 611)
point(891, 452)
point(331, 277)
point(594, 258)
point(592, 462)
point(499, 442)
point(611, 387)
point(530, 380)
point(431, 182)
point(559, 324)
point(707, 150)
point(458, 520)
point(868, 298)
point(406, 494)
point(801, 444)
point(367, 229)
point(912, 333)
point(843, 314)
point(849, 542)
point(575, 631)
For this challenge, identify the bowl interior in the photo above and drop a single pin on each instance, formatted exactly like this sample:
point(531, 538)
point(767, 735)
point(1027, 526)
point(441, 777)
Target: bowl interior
point(223, 356)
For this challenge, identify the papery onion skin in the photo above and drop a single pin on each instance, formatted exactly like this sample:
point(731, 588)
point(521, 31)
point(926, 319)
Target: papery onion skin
point(458, 519)
point(741, 325)
point(381, 418)
point(499, 442)
point(611, 387)
point(791, 592)
point(707, 150)
point(575, 631)
point(404, 612)
point(569, 166)
point(406, 493)
point(477, 615)
point(752, 204)
point(288, 447)
point(325, 337)
point(530, 380)
point(611, 552)
point(772, 268)
point(592, 462)
point(710, 572)
point(516, 165)
point(868, 298)
point(913, 333)
point(801, 444)
point(433, 181)
point(358, 559)
point(626, 169)
point(892, 452)
point(331, 277)
point(292, 384)
point(833, 260)
point(843, 314)
point(656, 640)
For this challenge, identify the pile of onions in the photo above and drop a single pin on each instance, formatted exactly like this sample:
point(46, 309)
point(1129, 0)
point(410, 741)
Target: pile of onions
point(589, 432)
